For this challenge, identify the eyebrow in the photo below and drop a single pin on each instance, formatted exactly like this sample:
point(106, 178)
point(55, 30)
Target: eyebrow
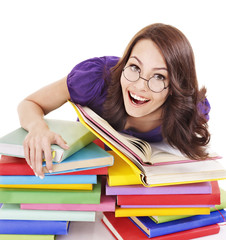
point(157, 68)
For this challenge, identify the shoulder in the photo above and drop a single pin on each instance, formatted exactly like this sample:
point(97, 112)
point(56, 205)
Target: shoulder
point(87, 80)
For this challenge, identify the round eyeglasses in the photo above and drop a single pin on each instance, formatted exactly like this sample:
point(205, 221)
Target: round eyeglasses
point(156, 83)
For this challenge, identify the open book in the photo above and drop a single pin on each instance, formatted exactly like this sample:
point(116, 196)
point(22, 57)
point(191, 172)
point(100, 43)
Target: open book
point(141, 154)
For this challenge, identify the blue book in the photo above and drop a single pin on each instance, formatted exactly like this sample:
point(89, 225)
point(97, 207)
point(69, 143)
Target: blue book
point(50, 179)
point(89, 157)
point(34, 227)
point(152, 229)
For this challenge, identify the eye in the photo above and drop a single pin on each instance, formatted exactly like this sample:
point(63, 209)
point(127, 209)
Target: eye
point(159, 77)
point(134, 68)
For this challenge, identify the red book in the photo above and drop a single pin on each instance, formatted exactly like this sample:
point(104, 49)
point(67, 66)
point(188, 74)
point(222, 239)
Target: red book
point(18, 166)
point(123, 228)
point(173, 199)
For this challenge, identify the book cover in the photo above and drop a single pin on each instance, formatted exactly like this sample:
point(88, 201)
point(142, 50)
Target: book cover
point(129, 212)
point(121, 173)
point(13, 212)
point(192, 188)
point(173, 199)
point(34, 227)
point(50, 179)
point(13, 195)
point(74, 133)
point(119, 228)
point(125, 148)
point(152, 229)
point(90, 156)
point(107, 204)
point(26, 237)
point(162, 219)
point(10, 165)
point(51, 186)
point(88, 186)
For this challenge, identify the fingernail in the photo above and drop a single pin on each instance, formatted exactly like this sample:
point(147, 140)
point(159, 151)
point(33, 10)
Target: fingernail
point(36, 174)
point(41, 177)
point(50, 171)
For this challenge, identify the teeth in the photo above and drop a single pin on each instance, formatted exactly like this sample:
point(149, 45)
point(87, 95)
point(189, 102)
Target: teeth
point(137, 97)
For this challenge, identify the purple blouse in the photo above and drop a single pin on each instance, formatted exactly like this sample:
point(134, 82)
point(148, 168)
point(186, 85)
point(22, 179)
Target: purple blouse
point(87, 85)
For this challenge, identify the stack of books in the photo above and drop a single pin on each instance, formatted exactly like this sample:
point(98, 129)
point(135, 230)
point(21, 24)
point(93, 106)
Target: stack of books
point(34, 208)
point(161, 194)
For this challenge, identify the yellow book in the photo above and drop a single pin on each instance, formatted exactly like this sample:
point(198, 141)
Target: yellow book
point(156, 165)
point(50, 186)
point(129, 212)
point(121, 173)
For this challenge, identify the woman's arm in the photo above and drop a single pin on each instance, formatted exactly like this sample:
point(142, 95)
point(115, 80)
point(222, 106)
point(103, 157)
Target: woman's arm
point(31, 114)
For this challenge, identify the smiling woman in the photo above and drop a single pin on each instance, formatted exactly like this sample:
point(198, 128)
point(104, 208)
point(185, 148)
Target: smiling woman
point(151, 93)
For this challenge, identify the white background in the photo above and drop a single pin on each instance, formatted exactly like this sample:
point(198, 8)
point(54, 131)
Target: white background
point(42, 40)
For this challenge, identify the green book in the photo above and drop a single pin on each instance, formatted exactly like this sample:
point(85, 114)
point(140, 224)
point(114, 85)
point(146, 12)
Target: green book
point(26, 237)
point(74, 133)
point(13, 195)
point(10, 211)
point(162, 219)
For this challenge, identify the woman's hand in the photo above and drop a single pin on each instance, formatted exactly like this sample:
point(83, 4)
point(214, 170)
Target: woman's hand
point(37, 146)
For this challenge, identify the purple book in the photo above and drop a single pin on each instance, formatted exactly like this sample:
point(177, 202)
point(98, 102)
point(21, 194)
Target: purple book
point(192, 188)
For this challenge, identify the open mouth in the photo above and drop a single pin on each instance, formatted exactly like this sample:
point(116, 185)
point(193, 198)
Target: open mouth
point(137, 100)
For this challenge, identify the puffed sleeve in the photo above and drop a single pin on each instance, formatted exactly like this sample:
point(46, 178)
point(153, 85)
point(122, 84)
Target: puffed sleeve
point(204, 108)
point(87, 82)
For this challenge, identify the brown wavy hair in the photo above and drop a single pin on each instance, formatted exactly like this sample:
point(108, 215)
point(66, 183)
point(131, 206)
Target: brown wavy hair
point(184, 125)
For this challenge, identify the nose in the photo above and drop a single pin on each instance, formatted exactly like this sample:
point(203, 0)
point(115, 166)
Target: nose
point(141, 84)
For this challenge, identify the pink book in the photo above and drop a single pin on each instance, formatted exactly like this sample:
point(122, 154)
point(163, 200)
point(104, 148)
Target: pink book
point(192, 188)
point(107, 204)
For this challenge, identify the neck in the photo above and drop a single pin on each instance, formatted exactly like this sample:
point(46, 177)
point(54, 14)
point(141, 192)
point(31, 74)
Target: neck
point(145, 123)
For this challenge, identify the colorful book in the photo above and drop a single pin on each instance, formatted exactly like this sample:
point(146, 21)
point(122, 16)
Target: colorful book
point(88, 186)
point(34, 227)
point(107, 204)
point(13, 212)
point(13, 195)
point(121, 173)
point(142, 159)
point(173, 199)
point(10, 165)
point(50, 179)
point(192, 188)
point(26, 237)
point(74, 133)
point(129, 212)
point(123, 229)
point(91, 156)
point(162, 219)
point(152, 229)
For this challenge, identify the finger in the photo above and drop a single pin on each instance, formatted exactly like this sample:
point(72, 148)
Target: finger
point(32, 157)
point(48, 159)
point(38, 161)
point(61, 142)
point(27, 153)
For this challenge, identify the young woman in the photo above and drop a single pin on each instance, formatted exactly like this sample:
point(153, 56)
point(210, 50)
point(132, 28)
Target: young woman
point(151, 93)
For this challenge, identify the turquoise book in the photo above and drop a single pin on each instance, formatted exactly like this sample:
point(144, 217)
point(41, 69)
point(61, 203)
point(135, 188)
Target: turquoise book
point(13, 212)
point(74, 133)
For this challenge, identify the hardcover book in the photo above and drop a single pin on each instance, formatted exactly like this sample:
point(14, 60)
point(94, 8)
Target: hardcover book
point(13, 212)
point(34, 227)
point(140, 155)
point(13, 195)
point(173, 199)
point(152, 229)
point(10, 165)
point(74, 133)
point(119, 228)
